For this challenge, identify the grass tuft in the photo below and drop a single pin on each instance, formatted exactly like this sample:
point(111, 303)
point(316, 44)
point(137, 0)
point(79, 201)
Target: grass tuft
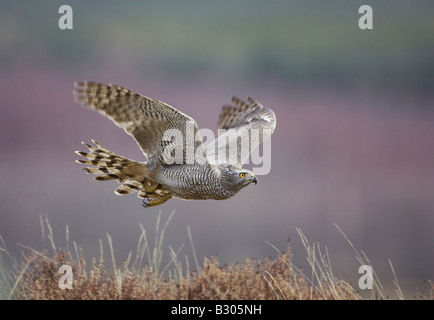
point(142, 275)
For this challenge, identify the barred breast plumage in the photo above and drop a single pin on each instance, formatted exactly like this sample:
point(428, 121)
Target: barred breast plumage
point(187, 182)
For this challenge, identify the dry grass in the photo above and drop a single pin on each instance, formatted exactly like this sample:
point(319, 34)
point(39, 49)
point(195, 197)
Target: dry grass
point(253, 279)
point(37, 275)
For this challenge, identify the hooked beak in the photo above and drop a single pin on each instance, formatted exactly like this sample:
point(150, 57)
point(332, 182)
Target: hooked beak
point(255, 180)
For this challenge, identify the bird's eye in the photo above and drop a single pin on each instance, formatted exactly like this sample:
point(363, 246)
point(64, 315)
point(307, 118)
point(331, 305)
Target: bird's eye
point(242, 174)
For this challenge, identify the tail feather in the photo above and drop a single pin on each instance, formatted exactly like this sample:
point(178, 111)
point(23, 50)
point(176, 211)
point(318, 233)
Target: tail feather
point(133, 176)
point(106, 177)
point(102, 170)
point(129, 187)
point(111, 166)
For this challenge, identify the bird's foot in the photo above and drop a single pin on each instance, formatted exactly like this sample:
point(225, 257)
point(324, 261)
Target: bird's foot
point(154, 199)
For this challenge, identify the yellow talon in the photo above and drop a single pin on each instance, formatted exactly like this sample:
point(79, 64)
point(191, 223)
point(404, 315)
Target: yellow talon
point(147, 202)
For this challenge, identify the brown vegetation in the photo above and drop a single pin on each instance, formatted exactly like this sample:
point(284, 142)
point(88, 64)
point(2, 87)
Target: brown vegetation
point(253, 279)
point(38, 276)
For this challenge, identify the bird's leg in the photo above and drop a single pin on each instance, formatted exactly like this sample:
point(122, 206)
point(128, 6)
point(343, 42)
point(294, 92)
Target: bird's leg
point(153, 194)
point(149, 186)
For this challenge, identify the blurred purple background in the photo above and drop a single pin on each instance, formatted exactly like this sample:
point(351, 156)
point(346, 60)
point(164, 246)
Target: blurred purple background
point(353, 144)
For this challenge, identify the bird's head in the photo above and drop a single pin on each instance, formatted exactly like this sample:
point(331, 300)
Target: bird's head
point(237, 178)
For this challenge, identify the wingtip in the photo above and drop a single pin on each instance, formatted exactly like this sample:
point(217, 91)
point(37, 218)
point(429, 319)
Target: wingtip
point(86, 144)
point(235, 99)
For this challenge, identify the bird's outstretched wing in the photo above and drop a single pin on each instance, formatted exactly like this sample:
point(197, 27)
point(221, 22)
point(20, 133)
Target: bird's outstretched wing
point(246, 125)
point(149, 121)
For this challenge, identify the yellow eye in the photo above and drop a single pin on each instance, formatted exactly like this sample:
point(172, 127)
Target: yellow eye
point(242, 174)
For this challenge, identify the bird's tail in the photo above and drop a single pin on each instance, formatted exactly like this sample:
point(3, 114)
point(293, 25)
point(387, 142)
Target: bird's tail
point(133, 176)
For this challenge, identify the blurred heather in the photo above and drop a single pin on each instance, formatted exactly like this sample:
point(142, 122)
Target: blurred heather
point(354, 143)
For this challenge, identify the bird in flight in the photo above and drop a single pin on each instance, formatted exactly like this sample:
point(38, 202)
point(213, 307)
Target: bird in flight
point(178, 164)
